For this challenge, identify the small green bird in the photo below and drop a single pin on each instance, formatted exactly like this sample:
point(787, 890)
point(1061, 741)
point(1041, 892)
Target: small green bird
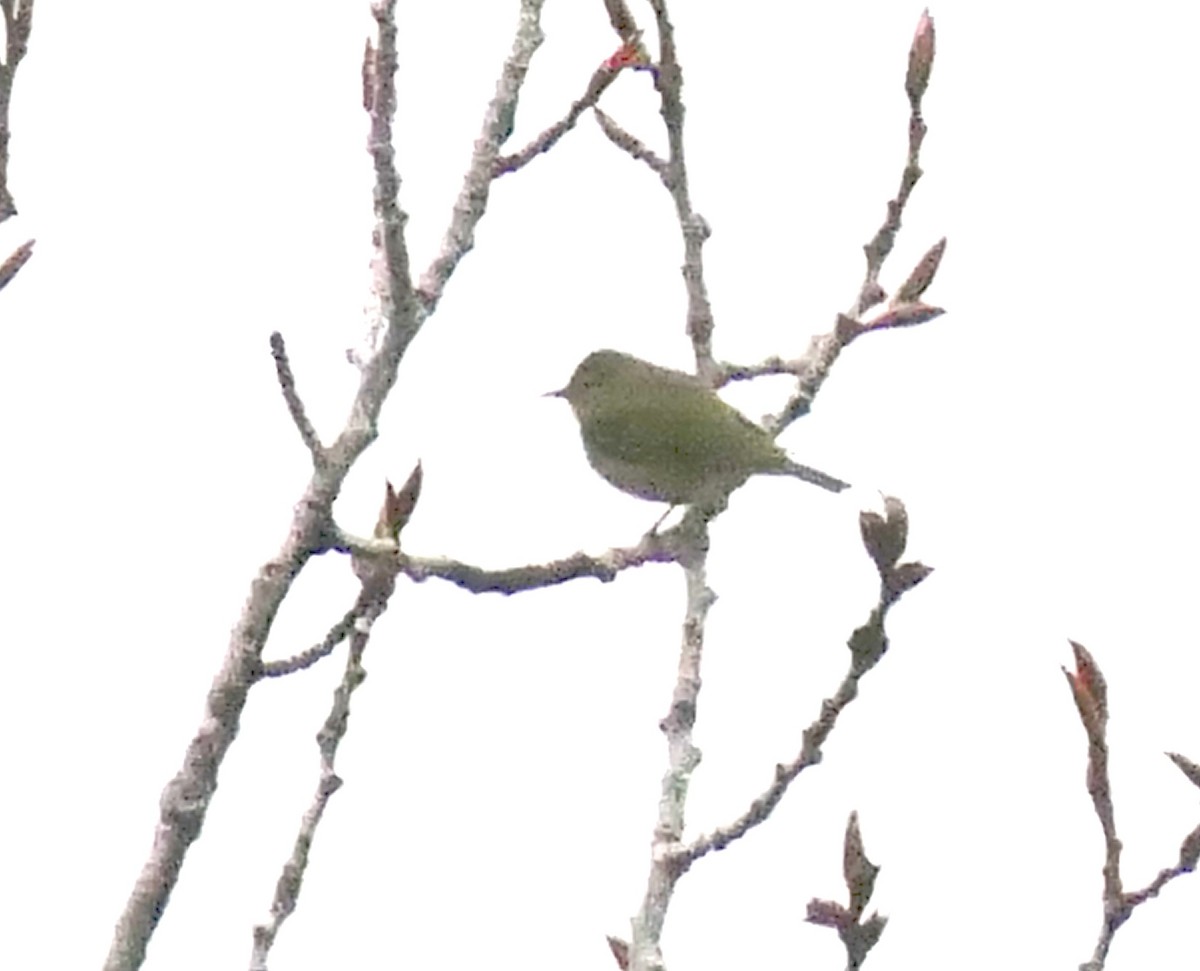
point(663, 435)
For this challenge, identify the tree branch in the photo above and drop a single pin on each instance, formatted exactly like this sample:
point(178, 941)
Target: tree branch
point(497, 126)
point(669, 81)
point(186, 798)
point(287, 384)
point(399, 316)
point(632, 146)
point(645, 951)
point(374, 596)
point(885, 538)
point(652, 548)
point(824, 349)
point(18, 22)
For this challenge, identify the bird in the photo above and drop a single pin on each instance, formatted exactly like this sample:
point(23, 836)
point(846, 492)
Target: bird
point(665, 436)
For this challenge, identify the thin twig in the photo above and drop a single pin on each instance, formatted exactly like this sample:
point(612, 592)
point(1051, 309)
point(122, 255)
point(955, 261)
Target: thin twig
point(644, 950)
point(824, 349)
point(287, 385)
point(185, 801)
point(547, 139)
point(498, 123)
point(632, 146)
point(880, 245)
point(769, 366)
point(810, 753)
point(652, 548)
point(376, 562)
point(307, 658)
point(18, 22)
point(373, 601)
point(669, 81)
point(1090, 691)
point(621, 18)
point(645, 947)
point(631, 54)
point(885, 538)
point(391, 283)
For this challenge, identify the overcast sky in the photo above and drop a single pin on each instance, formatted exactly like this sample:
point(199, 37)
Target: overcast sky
point(196, 178)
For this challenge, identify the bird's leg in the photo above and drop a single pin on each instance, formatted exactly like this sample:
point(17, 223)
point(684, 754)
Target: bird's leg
point(653, 530)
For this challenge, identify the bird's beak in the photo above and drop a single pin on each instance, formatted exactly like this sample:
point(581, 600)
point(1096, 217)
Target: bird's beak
point(560, 393)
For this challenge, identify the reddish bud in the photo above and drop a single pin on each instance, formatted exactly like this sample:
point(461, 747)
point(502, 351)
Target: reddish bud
point(906, 576)
point(627, 55)
point(1187, 767)
point(858, 871)
point(398, 506)
point(922, 275)
point(1090, 692)
point(1189, 850)
point(885, 536)
point(20, 256)
point(620, 951)
point(920, 60)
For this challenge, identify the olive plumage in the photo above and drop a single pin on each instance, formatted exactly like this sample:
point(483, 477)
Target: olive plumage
point(663, 435)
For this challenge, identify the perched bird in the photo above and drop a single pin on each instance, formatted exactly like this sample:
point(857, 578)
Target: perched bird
point(663, 435)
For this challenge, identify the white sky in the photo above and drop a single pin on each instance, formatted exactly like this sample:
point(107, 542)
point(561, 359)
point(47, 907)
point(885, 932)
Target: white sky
point(197, 178)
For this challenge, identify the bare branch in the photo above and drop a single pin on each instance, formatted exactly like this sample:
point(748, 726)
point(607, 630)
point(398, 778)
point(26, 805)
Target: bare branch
point(652, 548)
point(287, 887)
point(186, 798)
point(748, 372)
point(287, 384)
point(627, 143)
point(306, 659)
point(185, 801)
point(18, 22)
point(497, 126)
point(669, 81)
point(1090, 691)
point(670, 858)
point(622, 21)
point(884, 539)
point(372, 602)
point(547, 139)
point(645, 951)
point(877, 250)
point(814, 367)
point(824, 349)
point(391, 281)
point(1161, 879)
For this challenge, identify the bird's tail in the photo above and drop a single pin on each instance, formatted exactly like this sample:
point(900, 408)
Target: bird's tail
point(815, 476)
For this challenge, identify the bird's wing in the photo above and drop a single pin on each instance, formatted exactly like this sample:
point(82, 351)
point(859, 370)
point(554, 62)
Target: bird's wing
point(681, 433)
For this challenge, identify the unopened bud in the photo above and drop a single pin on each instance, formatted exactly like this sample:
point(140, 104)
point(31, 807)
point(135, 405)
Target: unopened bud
point(920, 60)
